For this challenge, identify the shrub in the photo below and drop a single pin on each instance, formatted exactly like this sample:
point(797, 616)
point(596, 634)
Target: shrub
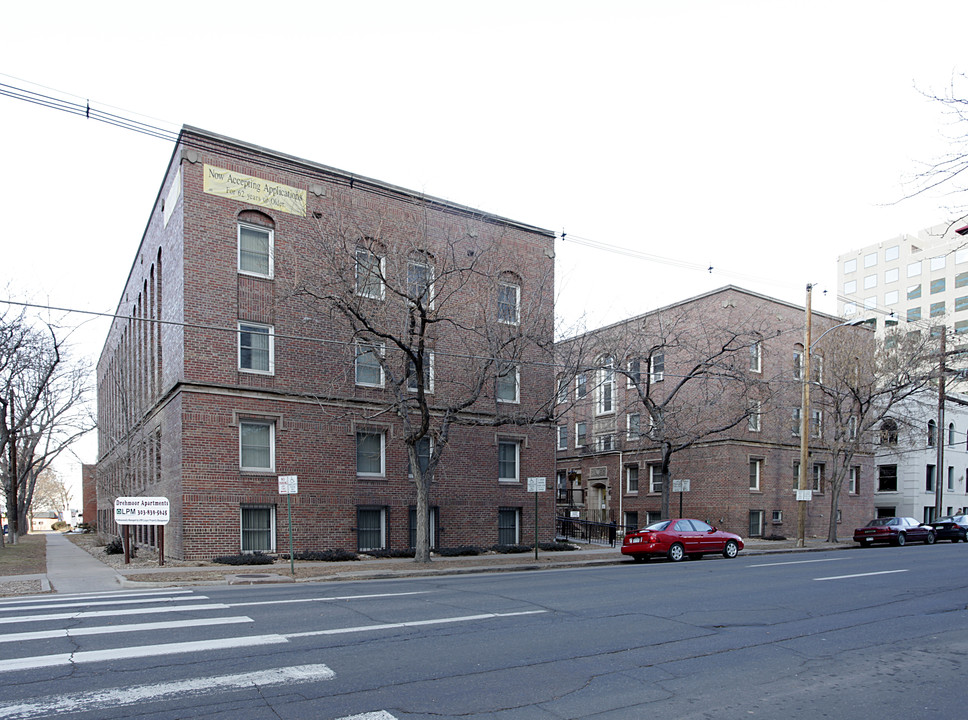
point(510, 549)
point(409, 553)
point(557, 547)
point(116, 547)
point(459, 551)
point(323, 555)
point(256, 558)
point(59, 525)
point(87, 527)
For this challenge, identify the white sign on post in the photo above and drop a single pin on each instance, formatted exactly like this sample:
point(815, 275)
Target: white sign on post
point(537, 484)
point(804, 495)
point(141, 511)
point(288, 484)
point(680, 486)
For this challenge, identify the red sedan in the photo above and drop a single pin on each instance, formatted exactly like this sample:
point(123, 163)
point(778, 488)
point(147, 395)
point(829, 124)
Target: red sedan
point(894, 530)
point(677, 539)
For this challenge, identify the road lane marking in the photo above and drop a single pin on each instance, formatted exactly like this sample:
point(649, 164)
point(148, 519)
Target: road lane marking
point(120, 697)
point(413, 623)
point(52, 600)
point(111, 629)
point(796, 562)
point(378, 715)
point(113, 613)
point(845, 577)
point(326, 599)
point(136, 601)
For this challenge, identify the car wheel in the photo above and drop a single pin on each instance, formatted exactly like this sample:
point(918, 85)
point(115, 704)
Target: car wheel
point(900, 539)
point(676, 552)
point(731, 549)
point(696, 556)
point(929, 540)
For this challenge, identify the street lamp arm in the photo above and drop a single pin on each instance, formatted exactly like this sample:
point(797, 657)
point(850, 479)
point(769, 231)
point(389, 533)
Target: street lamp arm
point(843, 324)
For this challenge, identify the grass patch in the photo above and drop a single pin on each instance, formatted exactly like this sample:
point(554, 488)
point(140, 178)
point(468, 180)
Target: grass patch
point(27, 557)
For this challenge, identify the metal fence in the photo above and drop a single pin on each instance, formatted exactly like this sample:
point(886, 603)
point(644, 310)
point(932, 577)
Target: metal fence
point(599, 533)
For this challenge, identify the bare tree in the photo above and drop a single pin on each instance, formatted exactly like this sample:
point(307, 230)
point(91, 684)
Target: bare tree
point(441, 324)
point(50, 492)
point(863, 381)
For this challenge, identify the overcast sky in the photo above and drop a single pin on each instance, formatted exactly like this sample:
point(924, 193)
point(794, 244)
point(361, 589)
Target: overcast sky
point(759, 138)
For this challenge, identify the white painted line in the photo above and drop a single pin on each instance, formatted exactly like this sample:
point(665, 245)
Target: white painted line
point(50, 600)
point(796, 562)
point(113, 613)
point(111, 629)
point(132, 601)
point(103, 699)
point(845, 577)
point(378, 715)
point(414, 623)
point(325, 599)
point(140, 651)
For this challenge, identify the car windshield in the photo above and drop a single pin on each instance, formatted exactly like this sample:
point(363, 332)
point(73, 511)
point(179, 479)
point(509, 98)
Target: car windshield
point(880, 522)
point(945, 519)
point(658, 526)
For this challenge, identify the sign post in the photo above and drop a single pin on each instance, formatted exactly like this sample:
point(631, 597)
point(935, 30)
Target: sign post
point(536, 485)
point(289, 485)
point(680, 486)
point(142, 511)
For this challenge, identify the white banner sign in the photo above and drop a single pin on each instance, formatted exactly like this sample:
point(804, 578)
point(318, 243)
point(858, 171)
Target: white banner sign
point(141, 511)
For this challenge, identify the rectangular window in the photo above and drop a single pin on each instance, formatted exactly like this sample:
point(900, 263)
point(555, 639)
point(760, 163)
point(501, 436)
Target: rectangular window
point(581, 385)
point(433, 517)
point(796, 474)
point(798, 363)
point(887, 478)
point(756, 357)
point(819, 477)
point(961, 303)
point(850, 266)
point(961, 255)
point(870, 260)
point(961, 326)
point(657, 367)
point(756, 523)
point(930, 475)
point(369, 371)
point(604, 443)
point(632, 478)
point(256, 348)
point(870, 303)
point(562, 391)
point(853, 482)
point(891, 275)
point(634, 376)
point(420, 283)
point(753, 408)
point(606, 386)
point(777, 517)
point(850, 287)
point(870, 282)
point(369, 274)
point(631, 520)
point(257, 524)
point(914, 269)
point(961, 280)
point(506, 386)
point(655, 478)
point(913, 314)
point(508, 302)
point(428, 374)
point(257, 445)
point(797, 423)
point(508, 452)
point(938, 263)
point(951, 478)
point(633, 422)
point(755, 468)
point(891, 297)
point(423, 448)
point(580, 434)
point(371, 528)
point(937, 309)
point(562, 437)
point(816, 422)
point(937, 286)
point(892, 253)
point(370, 453)
point(852, 427)
point(914, 292)
point(255, 250)
point(508, 526)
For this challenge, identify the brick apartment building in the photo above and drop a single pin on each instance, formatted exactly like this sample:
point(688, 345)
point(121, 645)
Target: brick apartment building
point(238, 356)
point(741, 478)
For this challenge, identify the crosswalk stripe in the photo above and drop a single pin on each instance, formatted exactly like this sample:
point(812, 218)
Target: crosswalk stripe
point(55, 599)
point(113, 613)
point(378, 715)
point(120, 697)
point(140, 651)
point(126, 601)
point(111, 629)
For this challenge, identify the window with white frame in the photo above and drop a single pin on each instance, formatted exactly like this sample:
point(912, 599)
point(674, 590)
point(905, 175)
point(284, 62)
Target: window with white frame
point(655, 478)
point(657, 367)
point(371, 453)
point(508, 526)
point(508, 303)
point(798, 362)
point(508, 460)
point(256, 348)
point(777, 517)
point(562, 391)
point(423, 447)
point(420, 282)
point(631, 478)
point(853, 480)
point(797, 422)
point(581, 434)
point(756, 357)
point(633, 423)
point(951, 478)
point(428, 373)
point(257, 450)
point(255, 250)
point(634, 373)
point(581, 385)
point(369, 369)
point(754, 413)
point(756, 467)
point(506, 386)
point(257, 528)
point(562, 437)
point(756, 523)
point(369, 274)
point(852, 427)
point(604, 443)
point(816, 422)
point(819, 476)
point(606, 386)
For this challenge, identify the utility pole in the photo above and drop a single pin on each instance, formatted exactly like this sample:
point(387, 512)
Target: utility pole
point(940, 435)
point(804, 422)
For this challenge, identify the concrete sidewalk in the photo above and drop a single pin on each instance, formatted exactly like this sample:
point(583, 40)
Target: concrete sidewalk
point(71, 569)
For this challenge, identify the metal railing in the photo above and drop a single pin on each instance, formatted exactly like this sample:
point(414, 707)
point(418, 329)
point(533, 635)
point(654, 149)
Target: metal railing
point(598, 533)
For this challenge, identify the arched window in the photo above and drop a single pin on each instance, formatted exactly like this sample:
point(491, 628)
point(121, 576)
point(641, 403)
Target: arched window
point(932, 433)
point(951, 433)
point(888, 432)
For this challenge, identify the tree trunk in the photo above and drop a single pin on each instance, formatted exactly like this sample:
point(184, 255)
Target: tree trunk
point(422, 482)
point(834, 504)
